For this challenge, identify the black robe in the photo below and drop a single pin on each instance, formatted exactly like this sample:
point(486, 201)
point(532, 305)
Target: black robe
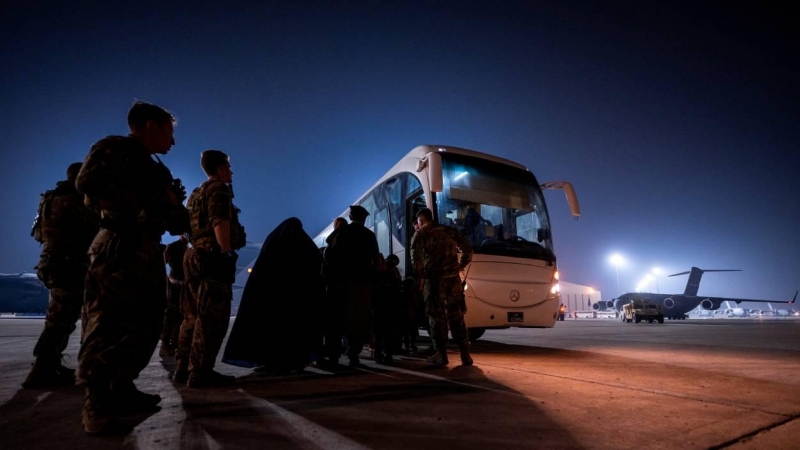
point(278, 324)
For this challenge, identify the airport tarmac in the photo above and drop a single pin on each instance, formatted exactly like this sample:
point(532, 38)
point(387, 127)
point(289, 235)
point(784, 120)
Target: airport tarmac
point(585, 384)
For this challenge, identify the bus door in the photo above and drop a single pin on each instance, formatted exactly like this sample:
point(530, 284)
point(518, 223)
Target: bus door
point(414, 203)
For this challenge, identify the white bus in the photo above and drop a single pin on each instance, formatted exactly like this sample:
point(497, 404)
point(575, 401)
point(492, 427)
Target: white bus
point(498, 205)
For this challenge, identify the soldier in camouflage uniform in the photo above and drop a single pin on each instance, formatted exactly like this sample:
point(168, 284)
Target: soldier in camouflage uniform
point(434, 256)
point(210, 268)
point(65, 226)
point(173, 256)
point(126, 283)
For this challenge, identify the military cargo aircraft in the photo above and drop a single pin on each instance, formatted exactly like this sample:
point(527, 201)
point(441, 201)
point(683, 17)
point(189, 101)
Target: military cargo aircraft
point(676, 306)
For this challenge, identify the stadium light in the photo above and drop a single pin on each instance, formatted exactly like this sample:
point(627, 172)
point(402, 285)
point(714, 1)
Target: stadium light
point(656, 271)
point(616, 259)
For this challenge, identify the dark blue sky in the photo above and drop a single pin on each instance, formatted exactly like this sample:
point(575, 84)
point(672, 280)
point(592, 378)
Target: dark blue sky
point(677, 124)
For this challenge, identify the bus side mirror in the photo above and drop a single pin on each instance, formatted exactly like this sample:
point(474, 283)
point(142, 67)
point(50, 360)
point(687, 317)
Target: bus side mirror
point(433, 162)
point(569, 191)
point(542, 234)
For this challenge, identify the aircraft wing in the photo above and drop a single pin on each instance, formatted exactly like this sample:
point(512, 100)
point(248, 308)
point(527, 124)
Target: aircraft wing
point(720, 300)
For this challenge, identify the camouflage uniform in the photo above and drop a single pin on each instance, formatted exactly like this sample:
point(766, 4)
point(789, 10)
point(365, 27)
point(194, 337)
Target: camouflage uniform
point(126, 282)
point(173, 256)
point(434, 255)
point(66, 229)
point(208, 288)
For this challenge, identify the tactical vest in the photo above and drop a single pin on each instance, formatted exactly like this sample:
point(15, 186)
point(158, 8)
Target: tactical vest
point(202, 235)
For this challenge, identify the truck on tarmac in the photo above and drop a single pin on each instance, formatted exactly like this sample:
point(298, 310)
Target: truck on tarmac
point(638, 310)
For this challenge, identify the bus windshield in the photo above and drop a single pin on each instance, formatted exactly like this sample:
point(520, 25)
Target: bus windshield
point(499, 208)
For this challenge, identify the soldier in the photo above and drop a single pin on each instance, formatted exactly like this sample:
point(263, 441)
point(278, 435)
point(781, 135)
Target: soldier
point(173, 257)
point(126, 281)
point(435, 257)
point(210, 268)
point(352, 262)
point(65, 227)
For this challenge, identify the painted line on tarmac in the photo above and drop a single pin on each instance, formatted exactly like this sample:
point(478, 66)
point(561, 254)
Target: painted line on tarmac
point(40, 398)
point(447, 380)
point(363, 368)
point(304, 433)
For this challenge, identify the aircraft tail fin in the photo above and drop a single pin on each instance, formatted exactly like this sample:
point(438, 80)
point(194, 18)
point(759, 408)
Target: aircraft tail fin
point(693, 284)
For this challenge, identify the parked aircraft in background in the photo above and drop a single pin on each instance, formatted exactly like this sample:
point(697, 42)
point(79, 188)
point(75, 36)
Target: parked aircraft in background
point(701, 313)
point(244, 265)
point(738, 312)
point(676, 306)
point(22, 293)
point(780, 312)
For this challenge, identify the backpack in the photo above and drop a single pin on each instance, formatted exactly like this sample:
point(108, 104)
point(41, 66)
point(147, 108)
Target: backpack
point(44, 209)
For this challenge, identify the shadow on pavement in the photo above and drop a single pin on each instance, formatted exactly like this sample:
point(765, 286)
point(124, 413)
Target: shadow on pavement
point(406, 405)
point(41, 418)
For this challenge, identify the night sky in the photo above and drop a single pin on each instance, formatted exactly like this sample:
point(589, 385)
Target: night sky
point(677, 124)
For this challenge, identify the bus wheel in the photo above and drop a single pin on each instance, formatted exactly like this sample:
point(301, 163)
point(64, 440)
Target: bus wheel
point(476, 333)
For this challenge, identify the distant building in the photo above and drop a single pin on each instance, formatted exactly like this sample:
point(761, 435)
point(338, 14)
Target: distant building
point(577, 297)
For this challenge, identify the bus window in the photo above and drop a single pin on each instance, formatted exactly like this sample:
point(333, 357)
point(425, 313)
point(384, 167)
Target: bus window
point(499, 208)
point(412, 184)
point(397, 211)
point(369, 204)
point(382, 231)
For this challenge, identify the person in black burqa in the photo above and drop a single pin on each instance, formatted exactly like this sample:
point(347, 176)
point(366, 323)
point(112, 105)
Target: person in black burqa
point(277, 327)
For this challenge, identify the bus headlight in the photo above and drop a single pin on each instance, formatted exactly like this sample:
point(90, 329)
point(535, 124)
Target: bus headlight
point(555, 289)
point(468, 291)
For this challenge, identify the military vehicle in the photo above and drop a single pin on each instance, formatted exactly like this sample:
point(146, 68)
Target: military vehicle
point(639, 309)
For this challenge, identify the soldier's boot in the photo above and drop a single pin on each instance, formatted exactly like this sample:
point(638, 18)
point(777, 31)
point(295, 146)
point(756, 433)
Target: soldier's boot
point(354, 361)
point(181, 375)
point(438, 359)
point(166, 350)
point(48, 372)
point(430, 351)
point(384, 358)
point(466, 359)
point(209, 378)
point(98, 418)
point(128, 399)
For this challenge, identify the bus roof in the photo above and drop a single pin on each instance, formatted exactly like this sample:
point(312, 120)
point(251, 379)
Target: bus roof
point(422, 150)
